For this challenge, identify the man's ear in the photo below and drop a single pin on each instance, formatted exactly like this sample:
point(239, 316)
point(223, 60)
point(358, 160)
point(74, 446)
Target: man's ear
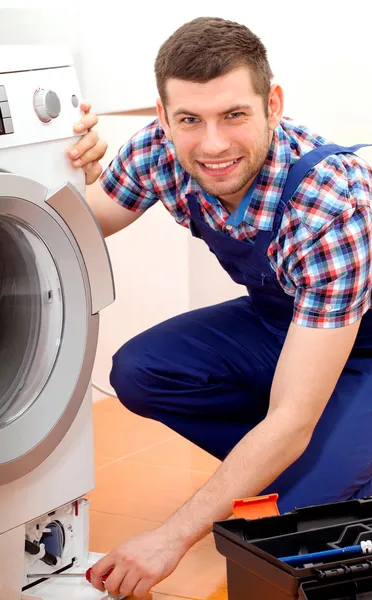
point(163, 118)
point(276, 105)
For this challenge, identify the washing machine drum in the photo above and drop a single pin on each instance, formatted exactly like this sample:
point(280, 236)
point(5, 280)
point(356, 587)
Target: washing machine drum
point(31, 317)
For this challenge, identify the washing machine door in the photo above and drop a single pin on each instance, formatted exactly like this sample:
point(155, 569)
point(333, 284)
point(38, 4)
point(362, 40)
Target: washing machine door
point(55, 276)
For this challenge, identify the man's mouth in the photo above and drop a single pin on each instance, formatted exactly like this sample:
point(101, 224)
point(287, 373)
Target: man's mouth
point(220, 168)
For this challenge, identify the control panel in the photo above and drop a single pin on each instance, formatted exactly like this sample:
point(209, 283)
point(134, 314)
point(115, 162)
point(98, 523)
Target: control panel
point(6, 123)
point(38, 106)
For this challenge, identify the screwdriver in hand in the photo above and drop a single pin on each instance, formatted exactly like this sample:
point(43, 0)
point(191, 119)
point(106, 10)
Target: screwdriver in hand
point(87, 575)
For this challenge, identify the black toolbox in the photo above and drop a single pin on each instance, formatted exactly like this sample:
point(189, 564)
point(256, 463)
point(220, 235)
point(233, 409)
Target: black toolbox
point(252, 549)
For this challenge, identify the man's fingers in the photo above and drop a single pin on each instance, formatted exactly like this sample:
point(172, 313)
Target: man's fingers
point(91, 155)
point(123, 583)
point(86, 122)
point(85, 106)
point(89, 150)
point(92, 172)
point(115, 580)
point(143, 588)
point(82, 146)
point(101, 568)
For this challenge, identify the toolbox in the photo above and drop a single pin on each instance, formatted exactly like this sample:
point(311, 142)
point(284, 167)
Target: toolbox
point(253, 549)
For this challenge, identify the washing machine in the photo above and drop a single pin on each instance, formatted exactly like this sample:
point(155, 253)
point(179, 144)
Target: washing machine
point(55, 278)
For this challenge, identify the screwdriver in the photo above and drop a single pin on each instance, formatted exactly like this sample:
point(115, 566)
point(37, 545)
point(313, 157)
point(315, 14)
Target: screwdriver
point(299, 559)
point(87, 575)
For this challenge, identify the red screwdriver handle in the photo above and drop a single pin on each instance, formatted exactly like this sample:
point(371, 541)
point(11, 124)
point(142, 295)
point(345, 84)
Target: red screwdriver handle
point(88, 575)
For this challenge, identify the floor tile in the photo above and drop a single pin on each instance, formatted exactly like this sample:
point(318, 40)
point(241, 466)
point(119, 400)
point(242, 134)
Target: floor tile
point(220, 593)
point(200, 573)
point(101, 461)
point(180, 453)
point(108, 531)
point(143, 491)
point(118, 432)
point(156, 596)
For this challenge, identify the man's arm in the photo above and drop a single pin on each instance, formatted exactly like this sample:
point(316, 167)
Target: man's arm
point(111, 217)
point(308, 369)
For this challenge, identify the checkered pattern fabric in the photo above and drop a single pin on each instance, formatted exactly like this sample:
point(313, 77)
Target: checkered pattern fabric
point(322, 251)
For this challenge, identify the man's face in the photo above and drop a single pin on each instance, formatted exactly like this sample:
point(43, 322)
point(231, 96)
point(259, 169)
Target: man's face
point(220, 131)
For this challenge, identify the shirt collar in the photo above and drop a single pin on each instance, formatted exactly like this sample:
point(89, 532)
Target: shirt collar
point(258, 207)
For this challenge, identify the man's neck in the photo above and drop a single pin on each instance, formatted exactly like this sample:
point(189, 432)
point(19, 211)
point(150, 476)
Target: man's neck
point(232, 201)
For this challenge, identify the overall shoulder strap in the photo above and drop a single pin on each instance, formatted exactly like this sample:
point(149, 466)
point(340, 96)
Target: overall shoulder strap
point(295, 175)
point(306, 163)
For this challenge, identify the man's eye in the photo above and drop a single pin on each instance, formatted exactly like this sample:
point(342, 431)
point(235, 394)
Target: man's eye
point(235, 115)
point(190, 120)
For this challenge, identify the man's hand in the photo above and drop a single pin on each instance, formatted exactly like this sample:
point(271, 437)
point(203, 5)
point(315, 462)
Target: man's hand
point(89, 149)
point(140, 563)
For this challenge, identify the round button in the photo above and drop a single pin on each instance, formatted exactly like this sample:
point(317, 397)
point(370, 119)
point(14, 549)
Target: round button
point(74, 101)
point(328, 307)
point(47, 105)
point(228, 227)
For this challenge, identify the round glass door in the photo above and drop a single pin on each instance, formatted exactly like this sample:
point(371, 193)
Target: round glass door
point(31, 317)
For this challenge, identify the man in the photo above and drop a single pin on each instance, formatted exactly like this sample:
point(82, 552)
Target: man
point(277, 384)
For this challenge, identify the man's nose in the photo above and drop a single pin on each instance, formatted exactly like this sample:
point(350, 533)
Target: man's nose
point(214, 142)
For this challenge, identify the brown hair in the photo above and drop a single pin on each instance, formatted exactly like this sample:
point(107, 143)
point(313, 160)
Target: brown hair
point(208, 47)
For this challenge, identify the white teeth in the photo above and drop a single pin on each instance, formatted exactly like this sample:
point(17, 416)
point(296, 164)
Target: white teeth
point(220, 166)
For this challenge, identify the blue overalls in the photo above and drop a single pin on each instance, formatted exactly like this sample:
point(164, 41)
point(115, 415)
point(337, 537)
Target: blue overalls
point(207, 373)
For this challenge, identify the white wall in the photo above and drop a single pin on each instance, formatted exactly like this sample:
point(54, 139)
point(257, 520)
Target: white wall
point(149, 261)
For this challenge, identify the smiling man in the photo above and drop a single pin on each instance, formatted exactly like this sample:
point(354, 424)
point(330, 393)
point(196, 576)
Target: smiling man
point(278, 383)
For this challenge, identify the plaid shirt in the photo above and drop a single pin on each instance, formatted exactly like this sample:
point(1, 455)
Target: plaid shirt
point(322, 252)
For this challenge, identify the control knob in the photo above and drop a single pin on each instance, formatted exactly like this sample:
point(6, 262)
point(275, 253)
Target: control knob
point(47, 105)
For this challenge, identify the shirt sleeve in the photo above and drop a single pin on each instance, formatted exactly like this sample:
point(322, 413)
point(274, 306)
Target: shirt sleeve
point(333, 278)
point(127, 178)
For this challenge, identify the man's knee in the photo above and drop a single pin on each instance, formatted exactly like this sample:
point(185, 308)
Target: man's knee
point(126, 377)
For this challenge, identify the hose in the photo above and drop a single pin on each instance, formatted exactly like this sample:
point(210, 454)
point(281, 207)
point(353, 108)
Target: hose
point(103, 390)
